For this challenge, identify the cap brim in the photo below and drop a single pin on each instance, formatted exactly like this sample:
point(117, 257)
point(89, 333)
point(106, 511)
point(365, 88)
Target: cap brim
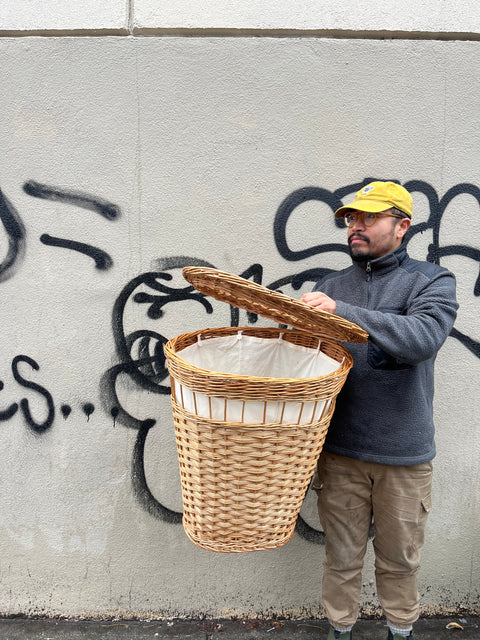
point(360, 204)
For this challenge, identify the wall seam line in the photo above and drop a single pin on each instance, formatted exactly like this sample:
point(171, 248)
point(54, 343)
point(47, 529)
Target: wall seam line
point(131, 14)
point(131, 30)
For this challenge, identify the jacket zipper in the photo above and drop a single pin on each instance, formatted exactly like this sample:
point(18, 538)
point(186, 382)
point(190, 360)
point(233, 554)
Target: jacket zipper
point(369, 282)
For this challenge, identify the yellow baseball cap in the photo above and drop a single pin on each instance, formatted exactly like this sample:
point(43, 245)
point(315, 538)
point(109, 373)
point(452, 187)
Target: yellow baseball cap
point(378, 196)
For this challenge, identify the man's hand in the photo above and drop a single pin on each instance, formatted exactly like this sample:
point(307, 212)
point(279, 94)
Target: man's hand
point(319, 300)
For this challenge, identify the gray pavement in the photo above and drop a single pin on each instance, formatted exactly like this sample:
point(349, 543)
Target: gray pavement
point(52, 629)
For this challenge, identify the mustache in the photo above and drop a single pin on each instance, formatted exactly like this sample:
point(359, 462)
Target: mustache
point(358, 235)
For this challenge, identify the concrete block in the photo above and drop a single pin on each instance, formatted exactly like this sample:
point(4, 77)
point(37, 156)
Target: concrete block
point(411, 15)
point(63, 15)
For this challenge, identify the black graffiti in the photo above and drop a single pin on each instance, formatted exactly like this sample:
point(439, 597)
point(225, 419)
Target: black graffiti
point(139, 481)
point(114, 412)
point(6, 414)
point(38, 427)
point(78, 198)
point(255, 273)
point(102, 260)
point(148, 370)
point(437, 210)
point(148, 367)
point(141, 358)
point(83, 200)
point(88, 408)
point(66, 410)
point(285, 210)
point(469, 343)
point(15, 236)
point(164, 295)
point(435, 253)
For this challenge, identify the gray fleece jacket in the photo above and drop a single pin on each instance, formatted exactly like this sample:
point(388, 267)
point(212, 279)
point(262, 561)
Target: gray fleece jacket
point(384, 411)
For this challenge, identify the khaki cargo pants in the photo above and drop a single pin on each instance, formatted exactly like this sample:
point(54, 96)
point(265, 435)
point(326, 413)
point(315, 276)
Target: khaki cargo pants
point(399, 498)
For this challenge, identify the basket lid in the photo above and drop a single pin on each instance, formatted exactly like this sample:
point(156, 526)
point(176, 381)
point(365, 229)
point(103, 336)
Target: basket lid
point(273, 305)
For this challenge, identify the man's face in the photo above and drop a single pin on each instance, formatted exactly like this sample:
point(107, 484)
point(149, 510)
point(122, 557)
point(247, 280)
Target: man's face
point(370, 242)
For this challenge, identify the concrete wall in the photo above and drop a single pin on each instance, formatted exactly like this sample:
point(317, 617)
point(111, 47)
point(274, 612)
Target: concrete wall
point(125, 158)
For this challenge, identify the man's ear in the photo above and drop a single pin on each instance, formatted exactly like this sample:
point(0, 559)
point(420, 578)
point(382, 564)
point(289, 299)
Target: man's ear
point(402, 227)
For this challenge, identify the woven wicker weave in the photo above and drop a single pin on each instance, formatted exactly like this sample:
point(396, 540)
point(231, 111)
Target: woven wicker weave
point(252, 297)
point(243, 487)
point(243, 484)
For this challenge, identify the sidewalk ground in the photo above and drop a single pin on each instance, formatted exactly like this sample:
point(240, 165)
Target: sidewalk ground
point(52, 629)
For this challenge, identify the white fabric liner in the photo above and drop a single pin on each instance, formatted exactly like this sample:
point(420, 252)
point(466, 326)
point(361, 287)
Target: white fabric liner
point(252, 356)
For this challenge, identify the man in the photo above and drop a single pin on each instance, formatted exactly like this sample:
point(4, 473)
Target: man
point(377, 457)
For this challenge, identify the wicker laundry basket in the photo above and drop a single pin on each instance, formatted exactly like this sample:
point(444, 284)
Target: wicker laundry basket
point(248, 444)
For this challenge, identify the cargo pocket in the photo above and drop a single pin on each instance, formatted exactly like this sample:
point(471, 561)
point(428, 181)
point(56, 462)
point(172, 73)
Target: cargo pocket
point(427, 504)
point(425, 508)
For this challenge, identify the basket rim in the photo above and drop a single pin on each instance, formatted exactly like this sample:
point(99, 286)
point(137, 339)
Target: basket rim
point(171, 353)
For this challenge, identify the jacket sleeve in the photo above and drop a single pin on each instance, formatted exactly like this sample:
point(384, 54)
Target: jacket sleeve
point(417, 334)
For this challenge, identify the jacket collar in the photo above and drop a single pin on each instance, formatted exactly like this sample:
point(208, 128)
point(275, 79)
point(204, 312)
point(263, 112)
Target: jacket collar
point(385, 263)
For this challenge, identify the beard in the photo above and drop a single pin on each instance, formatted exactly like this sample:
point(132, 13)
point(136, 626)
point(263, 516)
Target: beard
point(359, 255)
point(364, 256)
